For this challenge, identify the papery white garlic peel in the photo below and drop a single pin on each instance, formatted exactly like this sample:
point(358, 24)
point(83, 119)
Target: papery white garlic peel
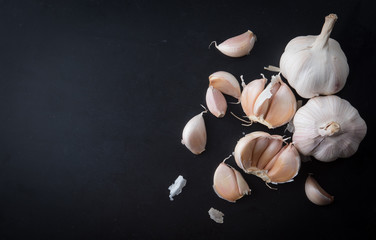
point(216, 215)
point(194, 134)
point(315, 193)
point(177, 186)
point(229, 184)
point(272, 106)
point(226, 83)
point(328, 128)
point(262, 154)
point(237, 46)
point(315, 65)
point(216, 102)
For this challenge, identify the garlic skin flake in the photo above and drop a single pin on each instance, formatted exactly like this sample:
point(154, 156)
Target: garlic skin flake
point(237, 46)
point(194, 134)
point(216, 215)
point(328, 128)
point(273, 106)
point(262, 154)
point(315, 193)
point(229, 184)
point(226, 83)
point(216, 102)
point(315, 65)
point(177, 186)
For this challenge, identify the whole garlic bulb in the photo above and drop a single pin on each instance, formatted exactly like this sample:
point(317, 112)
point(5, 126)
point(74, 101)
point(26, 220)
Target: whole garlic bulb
point(328, 128)
point(315, 65)
point(262, 154)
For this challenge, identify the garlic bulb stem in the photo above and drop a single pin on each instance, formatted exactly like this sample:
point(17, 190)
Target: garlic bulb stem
point(322, 40)
point(329, 129)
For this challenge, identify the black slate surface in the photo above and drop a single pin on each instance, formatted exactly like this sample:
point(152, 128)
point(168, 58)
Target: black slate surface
point(94, 96)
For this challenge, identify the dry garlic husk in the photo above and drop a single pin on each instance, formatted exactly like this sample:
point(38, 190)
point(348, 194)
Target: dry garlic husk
point(273, 105)
point(315, 193)
point(237, 46)
point(226, 83)
point(229, 184)
point(328, 128)
point(315, 65)
point(216, 215)
point(216, 102)
point(194, 134)
point(263, 155)
point(177, 186)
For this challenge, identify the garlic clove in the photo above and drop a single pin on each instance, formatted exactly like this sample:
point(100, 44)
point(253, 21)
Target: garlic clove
point(216, 102)
point(259, 148)
point(250, 93)
point(237, 46)
point(315, 193)
point(283, 106)
point(271, 163)
point(229, 184)
point(244, 150)
point(286, 166)
point(194, 134)
point(246, 153)
point(226, 83)
point(262, 102)
point(271, 150)
point(242, 184)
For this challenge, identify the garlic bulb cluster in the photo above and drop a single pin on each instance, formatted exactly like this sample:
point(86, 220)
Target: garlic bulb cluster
point(315, 65)
point(229, 184)
point(194, 134)
point(328, 128)
point(237, 46)
point(263, 155)
point(273, 105)
point(315, 193)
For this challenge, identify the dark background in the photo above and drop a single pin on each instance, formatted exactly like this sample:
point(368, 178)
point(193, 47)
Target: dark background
point(94, 96)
